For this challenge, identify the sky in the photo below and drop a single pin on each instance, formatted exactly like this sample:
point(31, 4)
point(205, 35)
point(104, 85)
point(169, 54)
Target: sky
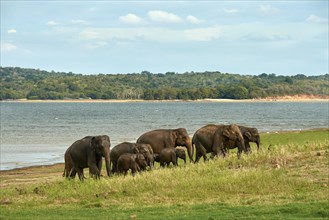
point(110, 37)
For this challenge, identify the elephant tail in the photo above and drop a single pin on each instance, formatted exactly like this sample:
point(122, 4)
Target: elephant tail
point(64, 172)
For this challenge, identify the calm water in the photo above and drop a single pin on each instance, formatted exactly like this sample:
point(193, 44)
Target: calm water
point(39, 133)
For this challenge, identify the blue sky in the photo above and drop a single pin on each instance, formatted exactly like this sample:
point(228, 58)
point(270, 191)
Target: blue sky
point(91, 37)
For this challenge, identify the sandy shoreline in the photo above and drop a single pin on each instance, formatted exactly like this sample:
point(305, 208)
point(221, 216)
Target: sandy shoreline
point(269, 99)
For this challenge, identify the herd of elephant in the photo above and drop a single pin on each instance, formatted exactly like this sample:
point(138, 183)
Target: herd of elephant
point(162, 145)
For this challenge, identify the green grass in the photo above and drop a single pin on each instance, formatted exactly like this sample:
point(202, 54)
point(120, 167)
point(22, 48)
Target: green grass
point(311, 210)
point(288, 181)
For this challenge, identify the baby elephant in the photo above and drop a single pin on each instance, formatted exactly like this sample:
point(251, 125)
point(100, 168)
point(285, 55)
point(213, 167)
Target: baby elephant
point(127, 161)
point(168, 155)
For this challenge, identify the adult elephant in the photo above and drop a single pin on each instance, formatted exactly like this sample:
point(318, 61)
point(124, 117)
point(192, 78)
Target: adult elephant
point(132, 148)
point(88, 152)
point(215, 139)
point(167, 138)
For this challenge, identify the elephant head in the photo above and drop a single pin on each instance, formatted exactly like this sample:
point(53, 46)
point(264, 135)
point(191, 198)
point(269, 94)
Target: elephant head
point(251, 135)
point(156, 157)
point(147, 152)
point(182, 138)
point(141, 161)
point(102, 145)
point(180, 153)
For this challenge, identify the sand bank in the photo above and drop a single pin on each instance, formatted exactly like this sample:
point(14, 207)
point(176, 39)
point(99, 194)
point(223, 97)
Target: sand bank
point(297, 98)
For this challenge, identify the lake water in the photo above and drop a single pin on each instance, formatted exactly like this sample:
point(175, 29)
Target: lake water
point(39, 133)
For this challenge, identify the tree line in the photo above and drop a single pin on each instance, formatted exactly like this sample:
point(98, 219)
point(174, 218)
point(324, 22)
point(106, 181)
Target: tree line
point(24, 83)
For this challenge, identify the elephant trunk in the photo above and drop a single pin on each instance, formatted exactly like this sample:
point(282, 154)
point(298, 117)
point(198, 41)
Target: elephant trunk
point(108, 164)
point(257, 142)
point(190, 150)
point(150, 161)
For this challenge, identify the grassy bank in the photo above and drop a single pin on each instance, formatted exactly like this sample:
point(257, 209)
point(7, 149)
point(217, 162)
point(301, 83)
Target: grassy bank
point(287, 178)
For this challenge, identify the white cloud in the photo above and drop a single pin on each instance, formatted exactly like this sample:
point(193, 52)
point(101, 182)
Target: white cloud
point(316, 19)
point(8, 47)
point(193, 20)
point(82, 22)
point(230, 11)
point(268, 10)
point(130, 19)
point(11, 31)
point(52, 23)
point(151, 34)
point(163, 16)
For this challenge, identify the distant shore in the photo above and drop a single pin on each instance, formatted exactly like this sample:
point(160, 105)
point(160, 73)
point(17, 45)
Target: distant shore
point(298, 98)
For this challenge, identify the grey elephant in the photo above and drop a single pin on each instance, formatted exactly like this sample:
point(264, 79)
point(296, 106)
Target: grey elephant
point(215, 139)
point(87, 152)
point(127, 147)
point(250, 135)
point(170, 155)
point(167, 138)
point(133, 162)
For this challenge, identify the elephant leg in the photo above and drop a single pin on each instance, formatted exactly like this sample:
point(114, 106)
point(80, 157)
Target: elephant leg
point(175, 162)
point(162, 164)
point(173, 159)
point(223, 150)
point(248, 148)
point(197, 157)
point(66, 173)
point(80, 173)
point(72, 173)
point(99, 165)
point(218, 150)
point(93, 169)
point(203, 152)
point(138, 168)
point(114, 167)
point(239, 153)
point(133, 171)
point(200, 153)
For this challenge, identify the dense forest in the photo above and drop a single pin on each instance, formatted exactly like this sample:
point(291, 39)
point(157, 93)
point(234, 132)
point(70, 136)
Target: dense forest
point(23, 83)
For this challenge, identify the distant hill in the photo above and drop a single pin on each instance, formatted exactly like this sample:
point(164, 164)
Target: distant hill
point(23, 83)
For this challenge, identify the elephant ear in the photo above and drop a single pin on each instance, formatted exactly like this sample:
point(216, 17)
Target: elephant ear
point(247, 134)
point(229, 133)
point(174, 135)
point(135, 150)
point(93, 142)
